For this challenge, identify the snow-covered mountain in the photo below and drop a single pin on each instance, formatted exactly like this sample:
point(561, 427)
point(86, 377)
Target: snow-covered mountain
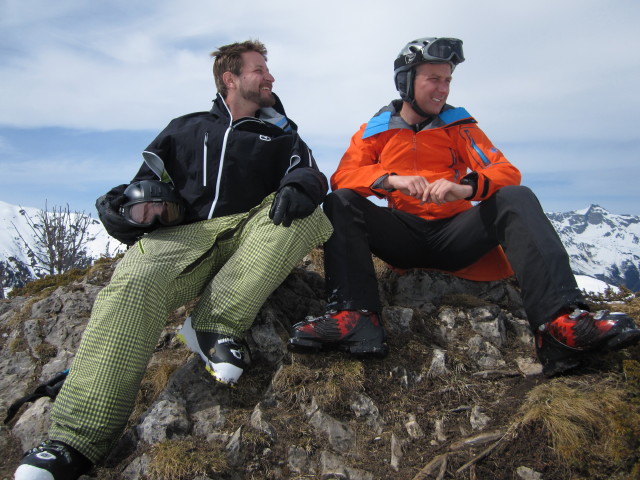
point(18, 265)
point(601, 244)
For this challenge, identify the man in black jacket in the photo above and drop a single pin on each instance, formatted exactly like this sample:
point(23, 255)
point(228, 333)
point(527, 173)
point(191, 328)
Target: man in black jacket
point(250, 192)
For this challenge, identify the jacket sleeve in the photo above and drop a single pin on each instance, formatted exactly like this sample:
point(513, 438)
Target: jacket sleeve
point(359, 167)
point(304, 172)
point(490, 170)
point(162, 147)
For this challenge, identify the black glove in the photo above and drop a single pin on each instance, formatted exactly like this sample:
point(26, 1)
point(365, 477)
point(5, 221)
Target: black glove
point(290, 203)
point(108, 206)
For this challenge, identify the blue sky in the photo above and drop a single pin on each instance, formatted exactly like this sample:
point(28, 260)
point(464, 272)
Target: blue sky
point(85, 86)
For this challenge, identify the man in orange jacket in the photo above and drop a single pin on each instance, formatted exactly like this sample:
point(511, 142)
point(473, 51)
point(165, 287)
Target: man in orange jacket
point(430, 161)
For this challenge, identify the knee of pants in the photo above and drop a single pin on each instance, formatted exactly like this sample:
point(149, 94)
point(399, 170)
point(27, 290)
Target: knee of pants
point(341, 200)
point(314, 228)
point(521, 201)
point(142, 277)
point(515, 194)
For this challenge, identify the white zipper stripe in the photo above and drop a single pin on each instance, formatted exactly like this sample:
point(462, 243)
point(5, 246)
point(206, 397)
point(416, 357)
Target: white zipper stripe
point(219, 179)
point(221, 163)
point(309, 156)
point(204, 158)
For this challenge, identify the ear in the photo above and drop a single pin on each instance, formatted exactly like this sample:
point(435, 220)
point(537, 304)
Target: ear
point(229, 79)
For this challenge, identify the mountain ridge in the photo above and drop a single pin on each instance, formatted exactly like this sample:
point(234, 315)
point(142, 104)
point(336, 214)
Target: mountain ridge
point(601, 245)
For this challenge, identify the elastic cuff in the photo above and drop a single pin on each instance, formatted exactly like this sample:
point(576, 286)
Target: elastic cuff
point(471, 179)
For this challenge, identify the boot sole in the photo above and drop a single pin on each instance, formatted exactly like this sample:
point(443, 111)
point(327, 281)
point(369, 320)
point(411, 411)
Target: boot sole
point(570, 359)
point(624, 339)
point(300, 345)
point(558, 367)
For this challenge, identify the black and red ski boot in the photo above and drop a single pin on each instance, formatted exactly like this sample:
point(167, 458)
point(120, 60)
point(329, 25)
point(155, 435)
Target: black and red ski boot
point(561, 344)
point(358, 332)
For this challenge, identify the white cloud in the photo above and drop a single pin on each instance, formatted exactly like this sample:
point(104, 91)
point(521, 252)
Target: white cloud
point(541, 74)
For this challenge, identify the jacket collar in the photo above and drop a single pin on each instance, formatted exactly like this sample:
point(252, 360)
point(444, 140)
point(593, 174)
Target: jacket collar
point(388, 118)
point(274, 115)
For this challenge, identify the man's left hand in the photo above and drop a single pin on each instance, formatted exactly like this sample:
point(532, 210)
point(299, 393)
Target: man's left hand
point(290, 203)
point(443, 191)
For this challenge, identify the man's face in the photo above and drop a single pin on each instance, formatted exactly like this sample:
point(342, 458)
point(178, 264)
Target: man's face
point(431, 86)
point(255, 82)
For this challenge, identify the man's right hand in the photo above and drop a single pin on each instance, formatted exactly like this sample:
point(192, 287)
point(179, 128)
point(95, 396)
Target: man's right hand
point(108, 206)
point(290, 203)
point(438, 192)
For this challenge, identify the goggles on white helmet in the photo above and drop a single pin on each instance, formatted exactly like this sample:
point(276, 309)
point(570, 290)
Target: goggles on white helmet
point(429, 50)
point(150, 202)
point(423, 50)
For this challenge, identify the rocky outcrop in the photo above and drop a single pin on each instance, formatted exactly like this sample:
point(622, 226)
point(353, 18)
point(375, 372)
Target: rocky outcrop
point(460, 365)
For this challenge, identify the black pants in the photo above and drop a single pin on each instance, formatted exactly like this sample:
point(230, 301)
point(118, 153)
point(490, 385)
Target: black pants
point(512, 218)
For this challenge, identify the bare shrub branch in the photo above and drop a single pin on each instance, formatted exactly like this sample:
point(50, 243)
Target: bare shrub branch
point(60, 239)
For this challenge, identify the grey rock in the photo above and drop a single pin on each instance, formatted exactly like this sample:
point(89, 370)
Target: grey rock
point(297, 459)
point(339, 434)
point(259, 422)
point(207, 420)
point(396, 451)
point(438, 367)
point(40, 340)
point(526, 473)
point(137, 468)
point(413, 428)
point(478, 418)
point(335, 467)
point(16, 374)
point(397, 320)
point(364, 407)
point(267, 342)
point(235, 452)
point(166, 419)
point(484, 354)
point(489, 322)
point(32, 426)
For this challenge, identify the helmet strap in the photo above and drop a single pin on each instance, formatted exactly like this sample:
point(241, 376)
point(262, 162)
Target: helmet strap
point(405, 87)
point(418, 110)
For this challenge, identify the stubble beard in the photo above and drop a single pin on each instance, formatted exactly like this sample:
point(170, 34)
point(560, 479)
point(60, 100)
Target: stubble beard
point(258, 98)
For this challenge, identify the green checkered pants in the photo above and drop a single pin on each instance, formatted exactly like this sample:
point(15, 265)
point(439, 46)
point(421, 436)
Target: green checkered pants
point(234, 263)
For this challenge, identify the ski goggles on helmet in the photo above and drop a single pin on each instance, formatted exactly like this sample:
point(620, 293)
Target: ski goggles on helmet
point(145, 214)
point(426, 50)
point(150, 202)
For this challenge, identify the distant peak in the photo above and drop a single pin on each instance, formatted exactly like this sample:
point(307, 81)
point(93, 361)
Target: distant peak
point(593, 209)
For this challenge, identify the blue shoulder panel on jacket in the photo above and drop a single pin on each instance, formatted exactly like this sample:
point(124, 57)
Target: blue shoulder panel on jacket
point(453, 115)
point(377, 124)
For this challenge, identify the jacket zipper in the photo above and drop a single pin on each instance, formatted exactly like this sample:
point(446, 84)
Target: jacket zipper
point(415, 152)
point(222, 155)
point(204, 159)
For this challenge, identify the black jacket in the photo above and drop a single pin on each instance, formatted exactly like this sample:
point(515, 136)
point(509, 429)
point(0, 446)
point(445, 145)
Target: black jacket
point(221, 167)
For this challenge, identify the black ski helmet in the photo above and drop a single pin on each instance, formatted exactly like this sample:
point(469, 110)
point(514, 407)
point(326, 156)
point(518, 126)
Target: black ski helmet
point(423, 50)
point(152, 201)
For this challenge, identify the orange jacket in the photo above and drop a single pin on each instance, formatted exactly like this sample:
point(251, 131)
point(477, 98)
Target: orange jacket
point(448, 147)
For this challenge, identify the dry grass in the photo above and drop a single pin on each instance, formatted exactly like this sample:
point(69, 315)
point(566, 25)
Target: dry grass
point(49, 283)
point(45, 352)
point(332, 385)
point(587, 423)
point(18, 344)
point(185, 459)
point(463, 300)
